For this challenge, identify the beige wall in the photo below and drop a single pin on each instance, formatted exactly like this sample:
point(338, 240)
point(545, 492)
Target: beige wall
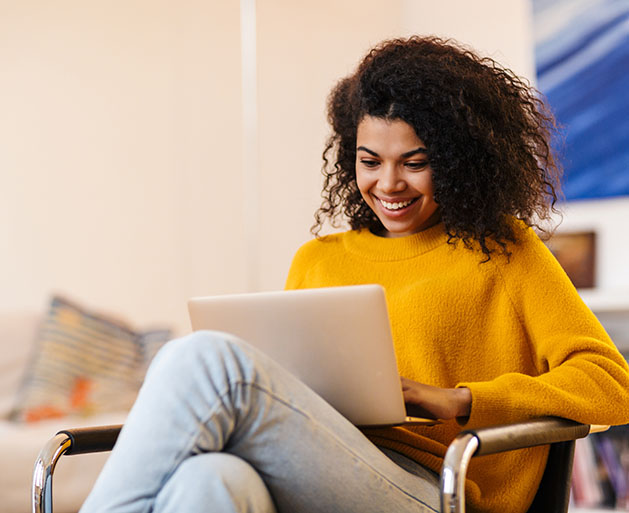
point(121, 141)
point(120, 154)
point(498, 29)
point(303, 49)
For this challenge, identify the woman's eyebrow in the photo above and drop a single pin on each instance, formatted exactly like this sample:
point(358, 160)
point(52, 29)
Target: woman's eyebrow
point(414, 152)
point(371, 152)
point(404, 155)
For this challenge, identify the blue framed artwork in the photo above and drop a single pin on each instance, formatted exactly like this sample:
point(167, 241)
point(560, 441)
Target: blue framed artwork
point(582, 61)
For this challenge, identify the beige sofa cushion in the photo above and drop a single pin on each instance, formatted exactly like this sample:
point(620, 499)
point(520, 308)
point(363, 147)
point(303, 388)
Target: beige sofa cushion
point(18, 331)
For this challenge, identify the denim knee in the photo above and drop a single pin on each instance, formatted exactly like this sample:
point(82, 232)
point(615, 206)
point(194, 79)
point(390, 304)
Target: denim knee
point(194, 347)
point(215, 481)
point(180, 358)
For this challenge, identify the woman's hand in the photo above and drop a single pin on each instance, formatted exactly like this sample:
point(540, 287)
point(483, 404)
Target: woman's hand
point(435, 402)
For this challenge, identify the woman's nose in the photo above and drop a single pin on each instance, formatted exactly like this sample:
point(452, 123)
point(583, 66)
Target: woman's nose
point(390, 180)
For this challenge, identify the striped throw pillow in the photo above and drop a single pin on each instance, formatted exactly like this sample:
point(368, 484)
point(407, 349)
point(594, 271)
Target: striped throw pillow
point(84, 363)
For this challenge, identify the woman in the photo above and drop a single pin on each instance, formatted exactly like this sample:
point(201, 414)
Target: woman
point(441, 163)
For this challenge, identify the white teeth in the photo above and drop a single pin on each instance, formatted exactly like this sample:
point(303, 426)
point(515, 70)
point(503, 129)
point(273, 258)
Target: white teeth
point(396, 206)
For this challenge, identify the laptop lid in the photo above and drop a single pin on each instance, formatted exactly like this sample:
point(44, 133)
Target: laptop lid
point(337, 340)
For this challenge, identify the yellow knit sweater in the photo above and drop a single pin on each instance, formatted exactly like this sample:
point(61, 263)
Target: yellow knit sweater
point(515, 332)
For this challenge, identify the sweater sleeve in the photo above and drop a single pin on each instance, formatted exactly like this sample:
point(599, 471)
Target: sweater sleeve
point(582, 376)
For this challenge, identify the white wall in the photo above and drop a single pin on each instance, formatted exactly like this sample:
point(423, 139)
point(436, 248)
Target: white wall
point(121, 177)
point(610, 220)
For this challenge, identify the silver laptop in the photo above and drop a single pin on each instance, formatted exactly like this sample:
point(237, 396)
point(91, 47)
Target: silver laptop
point(336, 340)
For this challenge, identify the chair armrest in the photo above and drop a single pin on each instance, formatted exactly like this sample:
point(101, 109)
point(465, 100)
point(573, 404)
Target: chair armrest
point(92, 439)
point(68, 441)
point(531, 433)
point(495, 439)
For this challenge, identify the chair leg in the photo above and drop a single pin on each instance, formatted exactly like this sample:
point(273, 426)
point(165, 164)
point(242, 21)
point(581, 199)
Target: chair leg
point(41, 492)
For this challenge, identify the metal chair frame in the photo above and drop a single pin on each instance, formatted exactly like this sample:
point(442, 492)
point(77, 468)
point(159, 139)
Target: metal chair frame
point(548, 430)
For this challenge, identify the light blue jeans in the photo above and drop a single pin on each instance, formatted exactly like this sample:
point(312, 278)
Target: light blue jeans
point(220, 427)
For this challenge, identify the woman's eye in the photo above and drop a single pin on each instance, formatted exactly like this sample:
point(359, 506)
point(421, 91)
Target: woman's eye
point(369, 162)
point(417, 165)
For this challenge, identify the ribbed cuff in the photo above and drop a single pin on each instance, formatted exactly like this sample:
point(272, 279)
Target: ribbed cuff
point(489, 406)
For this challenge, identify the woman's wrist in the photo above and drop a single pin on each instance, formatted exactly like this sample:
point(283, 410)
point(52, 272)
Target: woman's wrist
point(464, 401)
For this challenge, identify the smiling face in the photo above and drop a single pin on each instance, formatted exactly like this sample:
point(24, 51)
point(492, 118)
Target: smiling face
point(394, 176)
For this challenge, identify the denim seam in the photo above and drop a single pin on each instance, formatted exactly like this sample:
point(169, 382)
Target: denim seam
point(287, 403)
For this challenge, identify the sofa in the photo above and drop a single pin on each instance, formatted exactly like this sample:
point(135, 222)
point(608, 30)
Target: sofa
point(21, 440)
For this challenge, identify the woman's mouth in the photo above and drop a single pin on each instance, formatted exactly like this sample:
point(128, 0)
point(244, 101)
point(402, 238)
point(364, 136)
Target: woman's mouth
point(396, 206)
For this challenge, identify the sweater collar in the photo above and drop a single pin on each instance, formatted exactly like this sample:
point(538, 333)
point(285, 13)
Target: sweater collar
point(373, 247)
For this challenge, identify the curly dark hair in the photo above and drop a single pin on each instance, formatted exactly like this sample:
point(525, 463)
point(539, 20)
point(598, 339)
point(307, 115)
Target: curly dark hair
point(487, 133)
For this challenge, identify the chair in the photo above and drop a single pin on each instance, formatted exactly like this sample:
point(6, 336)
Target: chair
point(552, 495)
